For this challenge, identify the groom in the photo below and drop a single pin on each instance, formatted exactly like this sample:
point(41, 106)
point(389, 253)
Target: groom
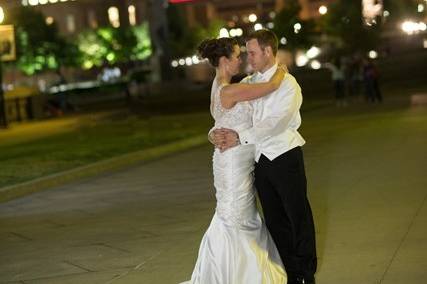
point(279, 170)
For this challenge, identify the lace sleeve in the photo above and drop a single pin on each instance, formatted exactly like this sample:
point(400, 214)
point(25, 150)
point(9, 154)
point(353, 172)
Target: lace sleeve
point(215, 106)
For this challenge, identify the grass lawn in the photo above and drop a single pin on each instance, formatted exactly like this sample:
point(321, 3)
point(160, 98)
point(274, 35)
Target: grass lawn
point(93, 141)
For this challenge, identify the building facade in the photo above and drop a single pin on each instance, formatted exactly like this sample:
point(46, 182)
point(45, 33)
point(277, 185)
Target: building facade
point(238, 11)
point(74, 16)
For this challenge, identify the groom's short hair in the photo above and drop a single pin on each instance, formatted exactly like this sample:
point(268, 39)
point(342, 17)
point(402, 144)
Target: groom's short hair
point(265, 38)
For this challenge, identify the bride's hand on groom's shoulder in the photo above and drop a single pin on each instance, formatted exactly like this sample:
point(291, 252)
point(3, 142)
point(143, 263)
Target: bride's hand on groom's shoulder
point(277, 78)
point(283, 67)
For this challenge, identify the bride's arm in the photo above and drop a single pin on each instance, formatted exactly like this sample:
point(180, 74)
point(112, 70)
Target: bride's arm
point(234, 93)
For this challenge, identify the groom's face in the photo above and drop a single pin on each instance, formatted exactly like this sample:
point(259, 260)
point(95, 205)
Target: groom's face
point(257, 56)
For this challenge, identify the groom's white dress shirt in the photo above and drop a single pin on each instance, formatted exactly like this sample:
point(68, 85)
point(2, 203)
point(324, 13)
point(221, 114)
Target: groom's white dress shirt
point(276, 117)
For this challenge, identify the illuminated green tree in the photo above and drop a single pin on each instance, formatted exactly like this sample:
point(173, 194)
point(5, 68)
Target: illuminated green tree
point(142, 49)
point(39, 45)
point(110, 45)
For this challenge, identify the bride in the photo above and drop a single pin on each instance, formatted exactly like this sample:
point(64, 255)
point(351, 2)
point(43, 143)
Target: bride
point(236, 248)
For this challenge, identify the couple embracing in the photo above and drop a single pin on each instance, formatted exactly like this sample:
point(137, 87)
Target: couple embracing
point(257, 149)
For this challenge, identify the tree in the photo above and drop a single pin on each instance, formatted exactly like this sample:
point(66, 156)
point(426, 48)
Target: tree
point(108, 45)
point(143, 47)
point(39, 45)
point(298, 33)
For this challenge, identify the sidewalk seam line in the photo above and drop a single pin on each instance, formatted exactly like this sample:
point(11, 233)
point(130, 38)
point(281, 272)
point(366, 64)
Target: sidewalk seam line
point(403, 239)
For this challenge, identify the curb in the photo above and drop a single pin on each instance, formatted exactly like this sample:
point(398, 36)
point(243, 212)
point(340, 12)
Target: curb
point(111, 164)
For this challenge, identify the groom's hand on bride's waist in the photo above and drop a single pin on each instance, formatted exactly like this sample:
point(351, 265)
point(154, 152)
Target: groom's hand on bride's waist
point(224, 138)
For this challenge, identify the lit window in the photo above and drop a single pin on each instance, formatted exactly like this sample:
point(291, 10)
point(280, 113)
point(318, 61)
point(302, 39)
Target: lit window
point(71, 23)
point(113, 16)
point(132, 15)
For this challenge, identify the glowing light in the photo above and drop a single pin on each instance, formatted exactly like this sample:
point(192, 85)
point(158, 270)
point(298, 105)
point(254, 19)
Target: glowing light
point(223, 33)
point(297, 28)
point(270, 25)
point(252, 18)
point(301, 60)
point(113, 16)
point(313, 52)
point(420, 8)
point(132, 15)
point(373, 54)
point(386, 13)
point(195, 59)
point(323, 10)
point(49, 20)
point(41, 2)
point(370, 10)
point(410, 27)
point(315, 65)
point(283, 41)
point(174, 63)
point(257, 26)
point(181, 61)
point(188, 61)
point(233, 32)
point(236, 32)
point(272, 14)
point(1, 15)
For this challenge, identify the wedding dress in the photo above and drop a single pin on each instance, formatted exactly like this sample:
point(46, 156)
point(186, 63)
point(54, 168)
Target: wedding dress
point(236, 248)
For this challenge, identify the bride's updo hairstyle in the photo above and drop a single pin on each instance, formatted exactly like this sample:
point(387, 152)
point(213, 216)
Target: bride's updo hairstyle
point(214, 49)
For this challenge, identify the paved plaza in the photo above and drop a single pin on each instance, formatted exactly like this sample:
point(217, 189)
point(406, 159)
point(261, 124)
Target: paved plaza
point(143, 224)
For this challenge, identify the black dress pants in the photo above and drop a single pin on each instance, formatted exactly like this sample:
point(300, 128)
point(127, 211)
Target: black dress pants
point(282, 190)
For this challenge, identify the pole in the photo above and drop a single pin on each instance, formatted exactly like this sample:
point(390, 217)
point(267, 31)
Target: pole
point(159, 35)
point(3, 115)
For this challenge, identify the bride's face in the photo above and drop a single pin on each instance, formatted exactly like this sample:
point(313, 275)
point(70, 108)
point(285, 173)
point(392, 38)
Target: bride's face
point(233, 63)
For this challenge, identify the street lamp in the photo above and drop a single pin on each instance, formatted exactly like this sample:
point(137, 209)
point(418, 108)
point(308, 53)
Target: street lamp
point(3, 117)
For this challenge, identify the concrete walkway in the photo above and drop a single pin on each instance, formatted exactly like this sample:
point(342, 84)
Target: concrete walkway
point(368, 187)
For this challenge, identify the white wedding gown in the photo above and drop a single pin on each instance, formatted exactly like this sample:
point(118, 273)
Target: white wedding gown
point(236, 248)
